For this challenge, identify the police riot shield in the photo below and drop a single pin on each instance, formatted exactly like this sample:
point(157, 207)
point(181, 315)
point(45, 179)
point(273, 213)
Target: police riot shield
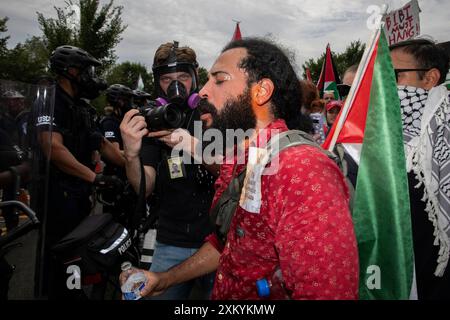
point(24, 167)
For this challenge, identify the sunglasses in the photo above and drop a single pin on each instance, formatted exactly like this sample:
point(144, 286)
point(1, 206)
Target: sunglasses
point(343, 90)
point(397, 71)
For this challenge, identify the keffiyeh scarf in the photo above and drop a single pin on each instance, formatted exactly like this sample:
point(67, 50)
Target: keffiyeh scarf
point(426, 132)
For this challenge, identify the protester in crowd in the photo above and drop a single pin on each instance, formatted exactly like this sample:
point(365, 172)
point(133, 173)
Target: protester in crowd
point(328, 95)
point(317, 116)
point(420, 68)
point(309, 94)
point(332, 110)
point(347, 81)
point(183, 189)
point(70, 133)
point(303, 228)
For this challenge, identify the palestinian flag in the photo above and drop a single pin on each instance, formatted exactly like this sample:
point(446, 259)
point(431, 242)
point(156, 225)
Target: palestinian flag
point(329, 77)
point(237, 33)
point(308, 75)
point(381, 212)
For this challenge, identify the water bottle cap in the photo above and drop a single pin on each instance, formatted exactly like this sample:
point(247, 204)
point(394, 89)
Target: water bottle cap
point(125, 265)
point(263, 288)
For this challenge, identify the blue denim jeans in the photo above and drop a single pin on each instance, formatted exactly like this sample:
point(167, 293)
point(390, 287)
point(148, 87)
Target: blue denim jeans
point(165, 257)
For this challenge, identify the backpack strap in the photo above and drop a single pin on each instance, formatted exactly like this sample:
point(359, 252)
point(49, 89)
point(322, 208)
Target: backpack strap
point(222, 213)
point(292, 138)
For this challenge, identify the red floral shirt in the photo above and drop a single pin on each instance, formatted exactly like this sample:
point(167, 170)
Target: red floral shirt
point(304, 228)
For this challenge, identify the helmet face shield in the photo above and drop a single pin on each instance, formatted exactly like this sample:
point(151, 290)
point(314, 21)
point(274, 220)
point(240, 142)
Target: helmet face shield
point(90, 85)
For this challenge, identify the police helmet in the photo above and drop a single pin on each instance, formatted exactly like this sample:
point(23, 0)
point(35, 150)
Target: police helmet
point(118, 91)
point(141, 94)
point(69, 56)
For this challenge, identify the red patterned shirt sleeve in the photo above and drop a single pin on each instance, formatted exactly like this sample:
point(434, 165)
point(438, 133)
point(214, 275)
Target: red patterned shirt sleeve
point(314, 233)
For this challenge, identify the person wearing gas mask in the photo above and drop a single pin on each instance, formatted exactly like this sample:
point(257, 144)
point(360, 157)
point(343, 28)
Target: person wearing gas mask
point(141, 98)
point(184, 191)
point(121, 100)
point(420, 67)
point(68, 138)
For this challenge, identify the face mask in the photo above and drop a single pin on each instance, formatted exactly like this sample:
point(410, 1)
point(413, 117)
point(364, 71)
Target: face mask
point(177, 94)
point(89, 85)
point(412, 104)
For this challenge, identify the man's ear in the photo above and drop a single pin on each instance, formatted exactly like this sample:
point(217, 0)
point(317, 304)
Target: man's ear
point(263, 91)
point(431, 78)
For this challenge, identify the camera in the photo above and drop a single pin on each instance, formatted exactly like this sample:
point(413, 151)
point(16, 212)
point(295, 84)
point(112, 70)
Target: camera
point(170, 112)
point(163, 117)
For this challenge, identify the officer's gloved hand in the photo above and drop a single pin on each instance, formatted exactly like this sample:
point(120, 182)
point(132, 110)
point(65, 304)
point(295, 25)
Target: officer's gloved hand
point(111, 182)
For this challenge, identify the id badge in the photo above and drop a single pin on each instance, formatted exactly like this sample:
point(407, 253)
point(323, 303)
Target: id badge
point(176, 167)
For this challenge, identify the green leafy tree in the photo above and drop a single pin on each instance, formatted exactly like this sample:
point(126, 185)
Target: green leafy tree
point(352, 55)
point(202, 76)
point(127, 73)
point(3, 40)
point(26, 62)
point(97, 31)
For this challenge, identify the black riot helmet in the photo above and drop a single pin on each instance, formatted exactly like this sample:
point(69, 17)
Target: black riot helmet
point(140, 97)
point(117, 93)
point(65, 57)
point(170, 58)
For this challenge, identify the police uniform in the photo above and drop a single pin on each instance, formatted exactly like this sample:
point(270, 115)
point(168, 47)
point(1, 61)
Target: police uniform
point(121, 208)
point(110, 129)
point(68, 196)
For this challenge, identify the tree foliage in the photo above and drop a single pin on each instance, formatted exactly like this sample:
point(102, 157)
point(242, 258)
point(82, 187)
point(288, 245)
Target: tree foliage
point(3, 40)
point(97, 30)
point(352, 55)
point(202, 76)
point(127, 73)
point(26, 62)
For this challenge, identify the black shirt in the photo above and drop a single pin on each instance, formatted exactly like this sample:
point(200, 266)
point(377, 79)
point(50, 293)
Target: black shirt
point(73, 120)
point(110, 129)
point(183, 203)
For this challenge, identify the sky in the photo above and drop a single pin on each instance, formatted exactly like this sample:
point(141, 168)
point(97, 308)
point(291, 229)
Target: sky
point(303, 26)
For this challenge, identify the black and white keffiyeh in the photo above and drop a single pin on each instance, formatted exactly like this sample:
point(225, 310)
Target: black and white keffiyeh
point(426, 133)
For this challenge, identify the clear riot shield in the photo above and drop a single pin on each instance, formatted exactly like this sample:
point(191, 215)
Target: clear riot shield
point(23, 184)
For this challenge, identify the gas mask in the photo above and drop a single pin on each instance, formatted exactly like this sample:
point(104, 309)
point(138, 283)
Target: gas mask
point(177, 94)
point(90, 85)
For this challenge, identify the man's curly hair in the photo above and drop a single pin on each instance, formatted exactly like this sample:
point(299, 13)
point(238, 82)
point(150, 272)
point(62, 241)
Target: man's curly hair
point(266, 60)
point(184, 54)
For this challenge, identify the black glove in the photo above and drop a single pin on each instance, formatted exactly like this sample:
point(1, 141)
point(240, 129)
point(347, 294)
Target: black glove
point(111, 182)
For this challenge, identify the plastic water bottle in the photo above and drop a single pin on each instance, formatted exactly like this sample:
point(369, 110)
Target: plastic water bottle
point(132, 281)
point(273, 287)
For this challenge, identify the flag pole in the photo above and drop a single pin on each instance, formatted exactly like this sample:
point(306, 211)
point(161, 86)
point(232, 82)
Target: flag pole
point(358, 78)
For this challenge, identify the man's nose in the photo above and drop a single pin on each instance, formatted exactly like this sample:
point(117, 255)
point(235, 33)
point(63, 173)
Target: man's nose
point(203, 93)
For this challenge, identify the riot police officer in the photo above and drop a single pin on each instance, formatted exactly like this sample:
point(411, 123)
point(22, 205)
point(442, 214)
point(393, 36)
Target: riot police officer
point(68, 138)
point(120, 99)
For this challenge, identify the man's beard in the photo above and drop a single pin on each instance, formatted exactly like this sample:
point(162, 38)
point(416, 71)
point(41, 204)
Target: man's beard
point(236, 114)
